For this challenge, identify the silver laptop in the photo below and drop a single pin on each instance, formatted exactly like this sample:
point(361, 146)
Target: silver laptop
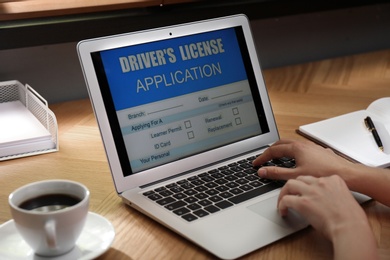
point(183, 110)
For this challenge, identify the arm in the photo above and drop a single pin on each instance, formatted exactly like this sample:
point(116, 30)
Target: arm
point(330, 208)
point(317, 161)
point(374, 182)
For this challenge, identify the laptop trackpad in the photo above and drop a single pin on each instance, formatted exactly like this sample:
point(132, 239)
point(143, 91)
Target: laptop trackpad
point(268, 209)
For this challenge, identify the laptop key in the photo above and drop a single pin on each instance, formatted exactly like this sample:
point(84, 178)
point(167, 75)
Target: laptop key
point(212, 209)
point(269, 164)
point(231, 178)
point(190, 192)
point(228, 172)
point(212, 192)
point(236, 168)
point(223, 168)
point(165, 201)
point(181, 182)
point(201, 196)
point(224, 204)
point(217, 175)
point(256, 183)
point(207, 179)
point(166, 193)
point(251, 159)
point(232, 185)
point(226, 194)
point(221, 181)
point(211, 185)
point(194, 206)
point(201, 213)
point(176, 189)
point(246, 165)
point(276, 162)
point(213, 171)
point(215, 198)
point(236, 191)
point(186, 185)
point(250, 171)
point(286, 159)
point(222, 188)
point(181, 211)
point(154, 196)
point(197, 182)
point(176, 205)
point(240, 174)
point(265, 181)
point(160, 189)
point(246, 187)
point(242, 181)
point(254, 193)
point(201, 188)
point(189, 217)
point(288, 165)
point(179, 196)
point(251, 178)
point(190, 199)
point(193, 178)
point(172, 185)
point(205, 202)
point(148, 193)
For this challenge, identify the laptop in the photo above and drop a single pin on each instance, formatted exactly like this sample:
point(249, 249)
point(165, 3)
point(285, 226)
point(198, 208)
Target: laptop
point(182, 110)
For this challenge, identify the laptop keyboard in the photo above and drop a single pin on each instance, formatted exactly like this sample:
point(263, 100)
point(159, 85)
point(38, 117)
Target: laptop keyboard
point(217, 189)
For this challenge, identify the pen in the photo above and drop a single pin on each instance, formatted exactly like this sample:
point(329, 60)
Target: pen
point(371, 127)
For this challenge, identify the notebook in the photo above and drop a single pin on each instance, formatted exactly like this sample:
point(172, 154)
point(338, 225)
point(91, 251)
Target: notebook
point(349, 136)
point(177, 105)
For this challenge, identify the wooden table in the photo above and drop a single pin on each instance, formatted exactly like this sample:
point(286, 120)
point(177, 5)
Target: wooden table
point(299, 94)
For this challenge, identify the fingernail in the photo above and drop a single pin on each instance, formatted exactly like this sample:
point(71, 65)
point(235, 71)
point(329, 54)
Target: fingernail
point(262, 172)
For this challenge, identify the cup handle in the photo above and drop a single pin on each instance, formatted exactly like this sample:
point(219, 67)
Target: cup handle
point(50, 231)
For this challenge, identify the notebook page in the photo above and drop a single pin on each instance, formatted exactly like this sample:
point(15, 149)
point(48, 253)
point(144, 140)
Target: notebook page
point(348, 135)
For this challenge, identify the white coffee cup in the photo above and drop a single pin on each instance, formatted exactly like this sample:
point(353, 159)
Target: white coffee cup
point(50, 230)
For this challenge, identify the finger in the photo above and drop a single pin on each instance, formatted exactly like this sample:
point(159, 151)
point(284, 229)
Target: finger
point(286, 202)
point(293, 187)
point(277, 150)
point(277, 173)
point(307, 179)
point(290, 196)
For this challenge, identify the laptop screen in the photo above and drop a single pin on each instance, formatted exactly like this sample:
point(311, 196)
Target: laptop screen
point(170, 99)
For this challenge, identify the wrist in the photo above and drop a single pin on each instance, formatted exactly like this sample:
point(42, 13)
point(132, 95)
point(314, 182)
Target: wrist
point(354, 240)
point(354, 176)
point(347, 228)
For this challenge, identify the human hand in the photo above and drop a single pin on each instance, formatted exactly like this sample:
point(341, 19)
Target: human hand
point(330, 208)
point(310, 159)
point(325, 202)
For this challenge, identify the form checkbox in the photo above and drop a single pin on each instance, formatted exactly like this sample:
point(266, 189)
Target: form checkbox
point(235, 111)
point(191, 135)
point(187, 124)
point(238, 121)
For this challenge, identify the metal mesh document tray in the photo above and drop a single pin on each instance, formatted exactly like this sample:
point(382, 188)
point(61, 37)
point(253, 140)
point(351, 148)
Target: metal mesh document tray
point(15, 91)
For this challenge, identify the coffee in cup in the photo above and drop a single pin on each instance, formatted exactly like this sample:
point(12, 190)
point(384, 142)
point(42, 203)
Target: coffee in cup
point(50, 215)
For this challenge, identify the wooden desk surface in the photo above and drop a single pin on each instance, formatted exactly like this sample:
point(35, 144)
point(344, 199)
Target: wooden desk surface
point(299, 94)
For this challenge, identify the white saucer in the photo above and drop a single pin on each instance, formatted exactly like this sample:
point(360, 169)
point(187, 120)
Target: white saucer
point(95, 239)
